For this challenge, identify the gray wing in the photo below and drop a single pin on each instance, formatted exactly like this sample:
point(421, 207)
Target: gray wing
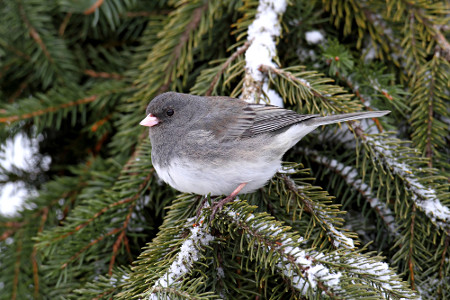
point(239, 119)
point(269, 118)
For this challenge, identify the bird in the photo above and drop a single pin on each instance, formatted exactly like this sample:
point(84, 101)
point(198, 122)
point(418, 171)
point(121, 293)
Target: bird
point(219, 145)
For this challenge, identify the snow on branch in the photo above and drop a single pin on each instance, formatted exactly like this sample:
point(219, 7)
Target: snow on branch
point(301, 267)
point(350, 175)
point(339, 238)
point(424, 197)
point(370, 271)
point(261, 33)
point(190, 252)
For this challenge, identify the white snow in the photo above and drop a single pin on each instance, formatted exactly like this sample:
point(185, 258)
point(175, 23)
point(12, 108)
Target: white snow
point(261, 33)
point(21, 152)
point(350, 174)
point(185, 259)
point(339, 239)
point(273, 96)
point(312, 271)
point(424, 197)
point(314, 37)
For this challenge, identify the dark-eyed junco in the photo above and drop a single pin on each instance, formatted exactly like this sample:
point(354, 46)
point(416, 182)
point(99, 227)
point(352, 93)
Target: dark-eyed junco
point(222, 145)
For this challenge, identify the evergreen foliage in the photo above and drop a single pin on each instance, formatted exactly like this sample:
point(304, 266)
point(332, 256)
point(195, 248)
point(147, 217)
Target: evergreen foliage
point(359, 211)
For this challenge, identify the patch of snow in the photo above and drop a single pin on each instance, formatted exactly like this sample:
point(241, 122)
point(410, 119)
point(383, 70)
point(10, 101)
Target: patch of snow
point(314, 37)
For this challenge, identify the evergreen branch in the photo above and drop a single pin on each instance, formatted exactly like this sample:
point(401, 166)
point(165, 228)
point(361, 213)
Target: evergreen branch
point(357, 92)
point(17, 266)
point(34, 263)
point(325, 220)
point(421, 12)
point(411, 263)
point(95, 74)
point(93, 7)
point(15, 118)
point(350, 175)
point(334, 274)
point(106, 208)
point(442, 42)
point(424, 197)
point(183, 262)
point(19, 90)
point(225, 66)
point(92, 243)
point(121, 238)
point(294, 263)
point(443, 258)
point(428, 102)
point(184, 38)
point(310, 87)
point(34, 34)
point(370, 272)
point(156, 294)
point(64, 23)
point(14, 225)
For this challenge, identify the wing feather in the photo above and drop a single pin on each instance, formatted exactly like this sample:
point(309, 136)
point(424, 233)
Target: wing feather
point(248, 120)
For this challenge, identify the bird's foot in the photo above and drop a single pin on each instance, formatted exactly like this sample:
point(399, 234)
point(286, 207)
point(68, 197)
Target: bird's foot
point(219, 205)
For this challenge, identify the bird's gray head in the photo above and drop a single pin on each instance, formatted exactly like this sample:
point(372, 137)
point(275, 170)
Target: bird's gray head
point(172, 110)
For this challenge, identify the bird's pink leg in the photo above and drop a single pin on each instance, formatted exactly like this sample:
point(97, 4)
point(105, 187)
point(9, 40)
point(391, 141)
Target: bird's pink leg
point(221, 203)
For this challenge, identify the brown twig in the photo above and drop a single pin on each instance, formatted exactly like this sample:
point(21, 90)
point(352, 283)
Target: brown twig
point(95, 74)
point(280, 72)
point(443, 259)
point(19, 91)
point(47, 110)
point(17, 268)
point(120, 238)
point(227, 63)
point(410, 262)
point(429, 146)
point(34, 34)
point(114, 231)
point(100, 238)
point(195, 21)
point(94, 6)
point(45, 211)
point(65, 22)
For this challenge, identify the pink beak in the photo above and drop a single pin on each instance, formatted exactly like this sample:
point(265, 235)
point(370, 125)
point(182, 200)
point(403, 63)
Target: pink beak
point(149, 121)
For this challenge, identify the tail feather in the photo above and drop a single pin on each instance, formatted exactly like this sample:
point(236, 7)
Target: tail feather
point(319, 121)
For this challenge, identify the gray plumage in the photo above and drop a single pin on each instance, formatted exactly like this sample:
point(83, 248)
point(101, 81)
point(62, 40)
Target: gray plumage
point(211, 145)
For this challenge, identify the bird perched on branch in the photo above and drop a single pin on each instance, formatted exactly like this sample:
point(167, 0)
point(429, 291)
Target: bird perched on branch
point(222, 145)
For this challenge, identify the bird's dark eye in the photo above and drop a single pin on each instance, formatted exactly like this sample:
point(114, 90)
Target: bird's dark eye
point(169, 112)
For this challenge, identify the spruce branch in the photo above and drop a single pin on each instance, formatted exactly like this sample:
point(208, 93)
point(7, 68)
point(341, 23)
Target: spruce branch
point(183, 263)
point(426, 198)
point(33, 33)
point(325, 216)
point(14, 118)
point(34, 262)
point(315, 94)
point(350, 176)
point(225, 66)
point(93, 7)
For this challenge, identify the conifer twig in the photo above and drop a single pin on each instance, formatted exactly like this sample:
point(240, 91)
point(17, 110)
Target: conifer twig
point(34, 34)
point(47, 110)
point(121, 238)
point(93, 7)
point(65, 22)
point(184, 38)
point(239, 51)
point(96, 74)
point(45, 211)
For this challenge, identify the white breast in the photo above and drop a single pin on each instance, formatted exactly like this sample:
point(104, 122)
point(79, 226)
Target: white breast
point(217, 180)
